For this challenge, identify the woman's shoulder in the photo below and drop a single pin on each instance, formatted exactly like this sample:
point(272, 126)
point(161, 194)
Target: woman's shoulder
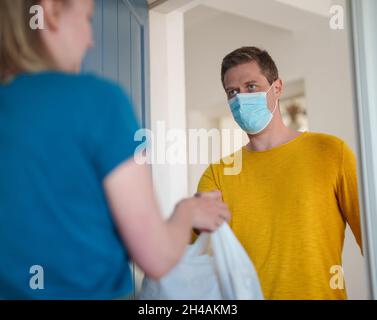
point(85, 93)
point(88, 88)
point(89, 81)
point(72, 84)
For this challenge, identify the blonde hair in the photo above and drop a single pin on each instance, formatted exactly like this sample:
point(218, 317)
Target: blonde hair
point(21, 48)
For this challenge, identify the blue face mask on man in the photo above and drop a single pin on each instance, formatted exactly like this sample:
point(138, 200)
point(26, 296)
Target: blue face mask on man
point(251, 112)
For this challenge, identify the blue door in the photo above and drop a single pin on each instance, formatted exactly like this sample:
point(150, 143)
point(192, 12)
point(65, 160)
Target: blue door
point(121, 50)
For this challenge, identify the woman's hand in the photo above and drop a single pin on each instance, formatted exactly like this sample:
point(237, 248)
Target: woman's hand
point(208, 210)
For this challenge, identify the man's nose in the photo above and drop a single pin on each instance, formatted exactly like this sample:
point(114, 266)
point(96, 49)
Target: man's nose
point(243, 90)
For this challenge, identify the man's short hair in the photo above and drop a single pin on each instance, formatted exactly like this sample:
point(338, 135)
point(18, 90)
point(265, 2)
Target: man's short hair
point(248, 54)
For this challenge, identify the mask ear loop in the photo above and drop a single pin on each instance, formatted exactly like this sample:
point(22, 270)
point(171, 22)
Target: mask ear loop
point(276, 105)
point(277, 100)
point(270, 87)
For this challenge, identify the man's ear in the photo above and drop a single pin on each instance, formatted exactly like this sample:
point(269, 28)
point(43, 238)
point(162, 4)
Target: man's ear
point(52, 10)
point(278, 88)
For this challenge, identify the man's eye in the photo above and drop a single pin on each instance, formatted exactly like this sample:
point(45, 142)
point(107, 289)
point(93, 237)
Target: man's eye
point(252, 87)
point(232, 93)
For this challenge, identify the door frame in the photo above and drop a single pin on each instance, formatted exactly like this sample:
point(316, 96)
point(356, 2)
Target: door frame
point(364, 54)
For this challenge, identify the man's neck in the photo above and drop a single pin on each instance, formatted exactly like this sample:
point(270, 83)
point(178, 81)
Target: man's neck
point(270, 138)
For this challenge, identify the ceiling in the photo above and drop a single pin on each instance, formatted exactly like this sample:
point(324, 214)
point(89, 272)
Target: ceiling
point(319, 7)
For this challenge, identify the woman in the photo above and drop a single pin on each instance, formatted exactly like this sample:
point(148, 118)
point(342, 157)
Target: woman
point(72, 196)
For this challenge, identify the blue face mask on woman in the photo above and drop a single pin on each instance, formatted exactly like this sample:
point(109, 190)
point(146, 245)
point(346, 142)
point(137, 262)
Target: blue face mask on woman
point(251, 112)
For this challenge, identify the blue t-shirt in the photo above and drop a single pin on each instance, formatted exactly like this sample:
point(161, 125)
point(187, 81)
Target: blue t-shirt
point(60, 136)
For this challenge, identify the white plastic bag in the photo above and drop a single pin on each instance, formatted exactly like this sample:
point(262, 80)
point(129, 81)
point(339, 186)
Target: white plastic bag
point(215, 267)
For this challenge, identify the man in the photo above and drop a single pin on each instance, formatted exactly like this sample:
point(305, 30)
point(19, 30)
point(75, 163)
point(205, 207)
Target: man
point(295, 192)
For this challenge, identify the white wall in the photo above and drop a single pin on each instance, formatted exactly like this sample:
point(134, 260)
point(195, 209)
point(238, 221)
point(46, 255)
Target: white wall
point(168, 100)
point(195, 120)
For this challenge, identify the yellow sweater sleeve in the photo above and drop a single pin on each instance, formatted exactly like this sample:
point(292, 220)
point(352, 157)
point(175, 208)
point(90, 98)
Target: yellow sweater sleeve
point(347, 192)
point(207, 182)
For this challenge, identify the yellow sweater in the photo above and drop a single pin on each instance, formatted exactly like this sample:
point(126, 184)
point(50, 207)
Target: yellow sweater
point(289, 210)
